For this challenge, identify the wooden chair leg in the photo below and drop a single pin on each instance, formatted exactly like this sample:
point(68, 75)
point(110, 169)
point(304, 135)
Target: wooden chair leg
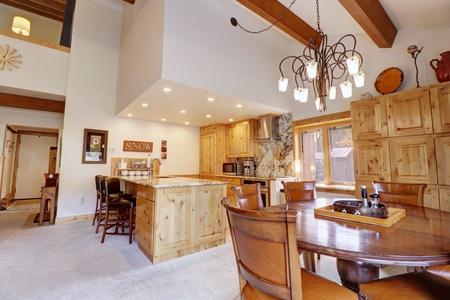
point(105, 225)
point(130, 224)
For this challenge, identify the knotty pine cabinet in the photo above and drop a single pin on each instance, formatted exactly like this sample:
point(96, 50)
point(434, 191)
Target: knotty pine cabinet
point(405, 137)
point(177, 221)
point(241, 139)
point(212, 150)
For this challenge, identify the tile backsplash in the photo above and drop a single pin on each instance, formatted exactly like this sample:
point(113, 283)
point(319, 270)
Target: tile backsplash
point(276, 158)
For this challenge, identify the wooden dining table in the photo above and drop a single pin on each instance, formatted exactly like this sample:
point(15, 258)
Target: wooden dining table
point(421, 238)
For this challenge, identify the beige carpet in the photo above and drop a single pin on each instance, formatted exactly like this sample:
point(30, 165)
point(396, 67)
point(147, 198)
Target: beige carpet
point(67, 261)
point(21, 205)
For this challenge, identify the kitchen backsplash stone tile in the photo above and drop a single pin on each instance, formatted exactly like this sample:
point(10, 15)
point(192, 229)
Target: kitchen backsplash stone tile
point(276, 158)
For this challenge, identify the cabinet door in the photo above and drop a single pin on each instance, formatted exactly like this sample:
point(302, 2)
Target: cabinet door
point(413, 160)
point(243, 139)
point(371, 160)
point(443, 157)
point(232, 144)
point(208, 154)
point(210, 218)
point(431, 197)
point(444, 198)
point(409, 113)
point(369, 119)
point(173, 227)
point(440, 103)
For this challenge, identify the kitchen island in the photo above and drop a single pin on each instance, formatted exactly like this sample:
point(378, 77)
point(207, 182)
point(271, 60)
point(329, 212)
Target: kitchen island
point(177, 216)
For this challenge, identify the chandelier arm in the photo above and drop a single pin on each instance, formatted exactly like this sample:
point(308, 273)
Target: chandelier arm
point(282, 61)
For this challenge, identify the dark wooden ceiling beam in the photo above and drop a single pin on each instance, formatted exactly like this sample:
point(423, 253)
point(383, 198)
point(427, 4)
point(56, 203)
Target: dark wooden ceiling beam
point(372, 17)
point(271, 10)
point(27, 102)
point(37, 8)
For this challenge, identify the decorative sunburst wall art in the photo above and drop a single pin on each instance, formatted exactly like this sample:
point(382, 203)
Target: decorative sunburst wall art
point(10, 58)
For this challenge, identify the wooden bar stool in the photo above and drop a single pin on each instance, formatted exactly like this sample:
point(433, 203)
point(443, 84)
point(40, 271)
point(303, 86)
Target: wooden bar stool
point(100, 206)
point(118, 210)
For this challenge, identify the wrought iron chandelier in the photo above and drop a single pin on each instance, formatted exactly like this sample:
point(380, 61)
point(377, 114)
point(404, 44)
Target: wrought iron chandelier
point(321, 64)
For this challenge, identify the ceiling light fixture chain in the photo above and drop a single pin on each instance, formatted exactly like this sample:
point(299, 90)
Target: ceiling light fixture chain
point(235, 23)
point(320, 64)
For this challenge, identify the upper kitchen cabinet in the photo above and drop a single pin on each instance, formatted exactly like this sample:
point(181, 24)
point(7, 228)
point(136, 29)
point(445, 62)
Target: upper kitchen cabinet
point(371, 160)
point(413, 160)
point(241, 139)
point(409, 113)
point(369, 119)
point(440, 105)
point(212, 150)
point(443, 157)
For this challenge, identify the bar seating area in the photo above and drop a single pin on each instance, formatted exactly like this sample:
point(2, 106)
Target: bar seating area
point(115, 210)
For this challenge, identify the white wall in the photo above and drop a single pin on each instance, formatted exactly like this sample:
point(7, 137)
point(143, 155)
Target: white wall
point(90, 103)
point(141, 49)
point(42, 69)
point(33, 157)
point(193, 43)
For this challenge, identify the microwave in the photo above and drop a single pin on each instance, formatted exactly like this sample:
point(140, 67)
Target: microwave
point(233, 169)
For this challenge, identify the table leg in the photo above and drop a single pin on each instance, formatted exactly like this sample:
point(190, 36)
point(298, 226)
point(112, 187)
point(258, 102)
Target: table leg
point(353, 273)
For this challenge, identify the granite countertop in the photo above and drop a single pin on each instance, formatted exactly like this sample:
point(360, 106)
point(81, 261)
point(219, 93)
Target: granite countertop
point(160, 182)
point(256, 177)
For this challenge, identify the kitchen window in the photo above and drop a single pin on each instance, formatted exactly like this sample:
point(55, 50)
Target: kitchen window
point(324, 152)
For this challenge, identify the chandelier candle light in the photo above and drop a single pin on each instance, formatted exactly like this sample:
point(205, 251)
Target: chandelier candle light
point(320, 64)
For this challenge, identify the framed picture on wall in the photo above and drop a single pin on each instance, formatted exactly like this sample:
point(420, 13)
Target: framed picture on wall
point(95, 145)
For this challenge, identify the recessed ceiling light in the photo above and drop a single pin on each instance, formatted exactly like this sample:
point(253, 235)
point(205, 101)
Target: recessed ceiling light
point(129, 115)
point(167, 89)
point(231, 120)
point(182, 111)
point(144, 104)
point(208, 116)
point(187, 123)
point(163, 119)
point(238, 105)
point(210, 99)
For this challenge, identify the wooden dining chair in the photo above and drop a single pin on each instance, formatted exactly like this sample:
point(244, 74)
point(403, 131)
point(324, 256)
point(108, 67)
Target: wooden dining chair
point(267, 258)
point(299, 190)
point(248, 196)
point(443, 271)
point(295, 191)
point(404, 193)
point(118, 210)
point(421, 285)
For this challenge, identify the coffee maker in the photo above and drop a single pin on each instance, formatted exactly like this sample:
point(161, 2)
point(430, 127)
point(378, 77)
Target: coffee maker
point(249, 168)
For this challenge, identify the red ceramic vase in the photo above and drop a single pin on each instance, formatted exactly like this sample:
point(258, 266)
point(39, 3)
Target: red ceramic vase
point(442, 67)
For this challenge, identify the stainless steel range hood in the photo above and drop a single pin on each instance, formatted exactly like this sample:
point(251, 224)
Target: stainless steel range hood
point(270, 129)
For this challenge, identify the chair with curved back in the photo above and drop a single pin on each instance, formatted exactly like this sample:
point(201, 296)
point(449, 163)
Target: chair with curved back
point(267, 258)
point(118, 210)
point(404, 193)
point(295, 191)
point(421, 285)
point(248, 196)
point(299, 190)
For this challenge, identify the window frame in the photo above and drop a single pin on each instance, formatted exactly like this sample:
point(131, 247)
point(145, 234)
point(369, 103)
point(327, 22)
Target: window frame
point(324, 123)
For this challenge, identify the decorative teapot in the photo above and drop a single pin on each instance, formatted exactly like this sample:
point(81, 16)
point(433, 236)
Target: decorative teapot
point(442, 67)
